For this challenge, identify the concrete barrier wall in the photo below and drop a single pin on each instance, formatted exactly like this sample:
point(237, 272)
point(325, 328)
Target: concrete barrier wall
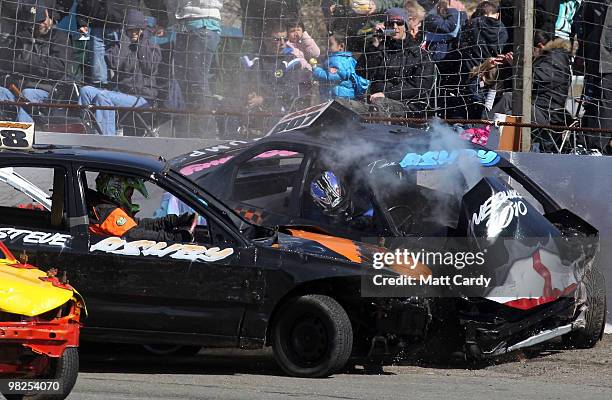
point(581, 184)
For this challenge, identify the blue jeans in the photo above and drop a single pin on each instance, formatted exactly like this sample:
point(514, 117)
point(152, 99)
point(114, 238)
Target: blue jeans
point(99, 40)
point(194, 53)
point(33, 95)
point(90, 95)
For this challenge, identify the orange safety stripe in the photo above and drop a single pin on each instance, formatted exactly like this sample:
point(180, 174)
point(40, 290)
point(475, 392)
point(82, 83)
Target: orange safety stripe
point(116, 224)
point(342, 246)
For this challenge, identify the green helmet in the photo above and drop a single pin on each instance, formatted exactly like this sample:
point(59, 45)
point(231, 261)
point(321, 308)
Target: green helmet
point(116, 186)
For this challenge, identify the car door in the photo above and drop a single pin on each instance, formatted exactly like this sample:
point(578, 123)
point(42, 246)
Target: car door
point(34, 222)
point(141, 287)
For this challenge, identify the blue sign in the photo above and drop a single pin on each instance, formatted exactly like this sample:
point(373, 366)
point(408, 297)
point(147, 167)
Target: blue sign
point(437, 159)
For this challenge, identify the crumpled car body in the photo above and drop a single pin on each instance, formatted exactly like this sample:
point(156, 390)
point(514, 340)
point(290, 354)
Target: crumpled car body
point(40, 320)
point(426, 190)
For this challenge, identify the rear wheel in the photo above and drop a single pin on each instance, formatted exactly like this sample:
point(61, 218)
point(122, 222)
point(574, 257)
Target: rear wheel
point(65, 369)
point(595, 315)
point(312, 337)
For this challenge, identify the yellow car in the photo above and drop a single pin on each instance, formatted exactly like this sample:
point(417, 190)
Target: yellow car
point(39, 328)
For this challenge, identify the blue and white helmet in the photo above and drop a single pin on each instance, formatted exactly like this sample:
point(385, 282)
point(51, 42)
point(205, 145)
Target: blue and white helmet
point(329, 194)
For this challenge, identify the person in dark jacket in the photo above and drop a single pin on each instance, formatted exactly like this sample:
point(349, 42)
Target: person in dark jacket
point(135, 62)
point(40, 61)
point(102, 21)
point(442, 26)
point(278, 79)
point(112, 213)
point(483, 37)
point(595, 38)
point(551, 81)
point(401, 73)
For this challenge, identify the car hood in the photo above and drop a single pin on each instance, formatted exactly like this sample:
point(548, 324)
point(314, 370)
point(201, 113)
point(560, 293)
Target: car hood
point(341, 249)
point(26, 290)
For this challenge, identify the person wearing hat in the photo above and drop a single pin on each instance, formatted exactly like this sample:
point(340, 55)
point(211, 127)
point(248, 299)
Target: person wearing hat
point(400, 71)
point(102, 22)
point(135, 62)
point(39, 60)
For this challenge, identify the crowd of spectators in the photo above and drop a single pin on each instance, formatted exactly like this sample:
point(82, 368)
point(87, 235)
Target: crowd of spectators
point(413, 58)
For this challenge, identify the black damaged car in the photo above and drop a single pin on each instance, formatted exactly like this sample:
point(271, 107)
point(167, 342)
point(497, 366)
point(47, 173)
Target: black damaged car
point(300, 288)
point(424, 189)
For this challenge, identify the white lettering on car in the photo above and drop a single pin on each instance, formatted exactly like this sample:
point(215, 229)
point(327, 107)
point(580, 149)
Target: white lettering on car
point(190, 252)
point(34, 237)
point(499, 210)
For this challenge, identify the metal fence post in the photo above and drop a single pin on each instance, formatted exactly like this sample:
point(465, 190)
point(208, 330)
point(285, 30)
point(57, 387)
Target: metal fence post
point(523, 58)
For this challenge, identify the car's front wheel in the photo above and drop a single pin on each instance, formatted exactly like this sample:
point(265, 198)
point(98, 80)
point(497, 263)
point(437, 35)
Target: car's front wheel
point(312, 336)
point(595, 314)
point(65, 369)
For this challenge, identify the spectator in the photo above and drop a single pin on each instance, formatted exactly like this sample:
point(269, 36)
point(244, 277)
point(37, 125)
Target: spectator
point(257, 14)
point(276, 79)
point(41, 59)
point(337, 74)
point(442, 25)
point(483, 37)
point(196, 45)
point(357, 18)
point(556, 16)
point(401, 73)
point(135, 62)
point(300, 39)
point(596, 33)
point(416, 15)
point(551, 81)
point(102, 22)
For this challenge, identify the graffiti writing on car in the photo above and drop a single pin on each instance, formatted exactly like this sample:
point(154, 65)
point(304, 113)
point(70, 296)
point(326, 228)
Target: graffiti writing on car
point(435, 159)
point(216, 149)
point(300, 119)
point(34, 237)
point(191, 169)
point(380, 164)
point(499, 211)
point(177, 251)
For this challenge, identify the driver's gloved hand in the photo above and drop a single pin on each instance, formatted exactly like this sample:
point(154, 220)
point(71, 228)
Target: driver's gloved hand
point(186, 235)
point(185, 219)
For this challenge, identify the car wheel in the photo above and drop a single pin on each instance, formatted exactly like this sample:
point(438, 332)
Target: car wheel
point(312, 337)
point(65, 369)
point(171, 349)
point(595, 315)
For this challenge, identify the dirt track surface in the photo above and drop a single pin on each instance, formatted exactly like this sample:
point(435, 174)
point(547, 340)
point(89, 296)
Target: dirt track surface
point(553, 374)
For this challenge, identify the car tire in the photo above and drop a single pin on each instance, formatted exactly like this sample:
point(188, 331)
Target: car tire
point(587, 337)
point(65, 369)
point(312, 337)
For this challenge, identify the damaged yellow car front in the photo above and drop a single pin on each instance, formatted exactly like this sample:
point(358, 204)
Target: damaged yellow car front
point(40, 320)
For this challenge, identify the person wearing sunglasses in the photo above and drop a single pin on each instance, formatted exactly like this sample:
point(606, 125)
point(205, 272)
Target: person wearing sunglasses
point(401, 73)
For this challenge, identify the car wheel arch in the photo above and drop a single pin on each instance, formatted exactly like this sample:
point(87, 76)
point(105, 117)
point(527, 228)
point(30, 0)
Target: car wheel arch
point(331, 287)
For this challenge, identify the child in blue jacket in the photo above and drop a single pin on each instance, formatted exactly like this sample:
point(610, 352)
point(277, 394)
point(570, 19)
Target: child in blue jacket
point(338, 72)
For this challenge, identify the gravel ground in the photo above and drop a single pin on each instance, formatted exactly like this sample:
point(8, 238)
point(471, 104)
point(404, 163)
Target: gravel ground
point(212, 374)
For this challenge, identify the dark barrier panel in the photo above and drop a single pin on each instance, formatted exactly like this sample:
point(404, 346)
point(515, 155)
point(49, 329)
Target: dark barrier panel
point(583, 185)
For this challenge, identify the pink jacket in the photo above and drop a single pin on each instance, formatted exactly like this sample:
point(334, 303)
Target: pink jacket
point(308, 46)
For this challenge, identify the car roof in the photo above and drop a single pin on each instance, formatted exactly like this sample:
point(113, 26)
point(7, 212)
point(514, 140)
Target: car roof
point(381, 139)
point(87, 154)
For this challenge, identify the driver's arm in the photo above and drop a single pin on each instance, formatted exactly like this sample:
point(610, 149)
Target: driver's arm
point(167, 223)
point(140, 233)
point(163, 229)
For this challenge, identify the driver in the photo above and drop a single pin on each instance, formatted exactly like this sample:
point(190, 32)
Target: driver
point(334, 202)
point(111, 212)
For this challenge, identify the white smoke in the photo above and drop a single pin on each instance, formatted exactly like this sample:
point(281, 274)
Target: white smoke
point(365, 160)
